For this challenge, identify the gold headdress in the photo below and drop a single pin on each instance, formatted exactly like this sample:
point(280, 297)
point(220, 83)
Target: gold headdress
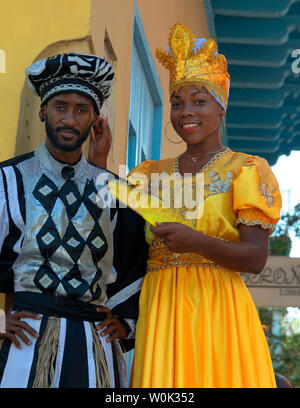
point(195, 61)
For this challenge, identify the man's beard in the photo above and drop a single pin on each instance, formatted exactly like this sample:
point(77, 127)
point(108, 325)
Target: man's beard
point(66, 147)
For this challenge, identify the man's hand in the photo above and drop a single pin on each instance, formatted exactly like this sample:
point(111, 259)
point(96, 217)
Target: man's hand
point(100, 143)
point(16, 327)
point(112, 326)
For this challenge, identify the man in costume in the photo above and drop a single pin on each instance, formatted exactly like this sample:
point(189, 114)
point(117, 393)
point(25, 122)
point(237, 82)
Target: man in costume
point(74, 265)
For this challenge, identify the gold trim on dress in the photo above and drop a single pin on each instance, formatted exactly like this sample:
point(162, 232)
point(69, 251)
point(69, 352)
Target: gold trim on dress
point(267, 193)
point(161, 258)
point(152, 268)
point(250, 223)
point(206, 166)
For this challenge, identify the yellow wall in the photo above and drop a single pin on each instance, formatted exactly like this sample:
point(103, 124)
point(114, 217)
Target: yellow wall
point(26, 28)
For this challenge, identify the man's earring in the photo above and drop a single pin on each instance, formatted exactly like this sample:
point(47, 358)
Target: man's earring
point(42, 119)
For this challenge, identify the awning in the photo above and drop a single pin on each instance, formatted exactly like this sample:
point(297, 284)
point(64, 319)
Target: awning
point(260, 39)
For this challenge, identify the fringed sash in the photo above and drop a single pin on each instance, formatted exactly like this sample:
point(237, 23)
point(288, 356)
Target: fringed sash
point(55, 308)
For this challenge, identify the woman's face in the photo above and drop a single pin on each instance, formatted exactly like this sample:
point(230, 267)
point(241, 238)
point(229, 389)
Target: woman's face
point(196, 116)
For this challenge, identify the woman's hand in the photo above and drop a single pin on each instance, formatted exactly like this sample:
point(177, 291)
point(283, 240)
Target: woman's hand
point(16, 327)
point(177, 237)
point(249, 255)
point(100, 143)
point(111, 326)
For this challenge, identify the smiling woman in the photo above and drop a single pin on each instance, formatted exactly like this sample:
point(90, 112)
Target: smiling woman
point(198, 325)
point(196, 117)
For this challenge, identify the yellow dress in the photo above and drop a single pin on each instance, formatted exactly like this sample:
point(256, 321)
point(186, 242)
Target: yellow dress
point(198, 325)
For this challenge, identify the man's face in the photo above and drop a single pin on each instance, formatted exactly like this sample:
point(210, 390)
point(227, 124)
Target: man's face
point(68, 117)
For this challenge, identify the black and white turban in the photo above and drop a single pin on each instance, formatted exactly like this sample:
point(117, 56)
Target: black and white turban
point(85, 74)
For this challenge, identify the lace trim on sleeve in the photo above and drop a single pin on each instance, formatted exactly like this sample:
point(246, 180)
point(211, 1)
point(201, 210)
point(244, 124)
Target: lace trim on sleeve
point(254, 216)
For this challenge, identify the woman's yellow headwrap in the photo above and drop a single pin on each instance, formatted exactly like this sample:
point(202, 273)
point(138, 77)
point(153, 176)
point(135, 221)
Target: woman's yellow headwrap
point(193, 61)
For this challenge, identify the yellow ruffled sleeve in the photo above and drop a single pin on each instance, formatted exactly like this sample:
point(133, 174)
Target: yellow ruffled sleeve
point(256, 195)
point(140, 173)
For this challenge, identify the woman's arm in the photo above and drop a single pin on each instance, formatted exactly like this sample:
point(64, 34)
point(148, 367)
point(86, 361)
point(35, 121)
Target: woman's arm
point(249, 255)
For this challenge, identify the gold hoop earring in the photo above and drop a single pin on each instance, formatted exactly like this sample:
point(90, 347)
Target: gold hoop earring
point(220, 132)
point(221, 129)
point(171, 141)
